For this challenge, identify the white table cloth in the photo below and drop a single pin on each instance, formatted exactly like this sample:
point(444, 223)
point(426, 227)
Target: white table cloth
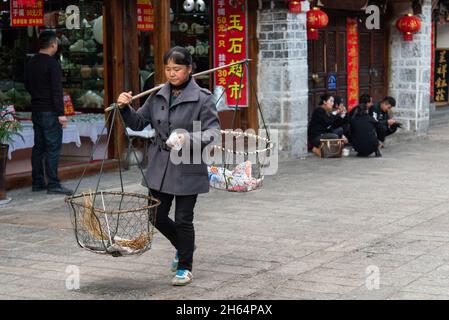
point(69, 134)
point(89, 125)
point(84, 125)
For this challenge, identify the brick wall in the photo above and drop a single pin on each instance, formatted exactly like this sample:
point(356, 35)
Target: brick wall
point(282, 79)
point(410, 73)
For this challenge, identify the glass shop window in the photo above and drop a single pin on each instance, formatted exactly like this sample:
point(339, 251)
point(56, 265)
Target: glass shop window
point(191, 28)
point(79, 27)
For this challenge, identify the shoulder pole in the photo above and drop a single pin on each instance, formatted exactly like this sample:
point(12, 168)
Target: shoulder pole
point(142, 94)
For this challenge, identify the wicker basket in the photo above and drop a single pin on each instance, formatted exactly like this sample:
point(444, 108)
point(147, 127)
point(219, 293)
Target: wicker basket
point(114, 223)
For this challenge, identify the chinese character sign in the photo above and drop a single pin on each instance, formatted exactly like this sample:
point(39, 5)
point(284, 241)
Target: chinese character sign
point(145, 15)
point(230, 37)
point(27, 13)
point(353, 62)
point(441, 75)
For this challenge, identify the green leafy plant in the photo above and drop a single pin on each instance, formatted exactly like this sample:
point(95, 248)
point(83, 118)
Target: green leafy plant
point(9, 126)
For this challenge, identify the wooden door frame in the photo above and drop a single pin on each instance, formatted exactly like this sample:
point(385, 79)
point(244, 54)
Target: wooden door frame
point(251, 114)
point(121, 56)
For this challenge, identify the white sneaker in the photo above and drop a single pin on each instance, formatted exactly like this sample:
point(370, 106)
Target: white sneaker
point(182, 278)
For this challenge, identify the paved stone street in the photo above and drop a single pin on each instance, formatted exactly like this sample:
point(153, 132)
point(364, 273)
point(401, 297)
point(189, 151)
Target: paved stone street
point(319, 229)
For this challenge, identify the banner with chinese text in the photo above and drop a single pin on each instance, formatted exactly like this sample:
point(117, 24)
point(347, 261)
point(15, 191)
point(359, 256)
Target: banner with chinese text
point(230, 45)
point(27, 13)
point(353, 62)
point(145, 15)
point(441, 75)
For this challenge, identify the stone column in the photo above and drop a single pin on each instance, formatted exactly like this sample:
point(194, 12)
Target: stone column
point(283, 77)
point(409, 80)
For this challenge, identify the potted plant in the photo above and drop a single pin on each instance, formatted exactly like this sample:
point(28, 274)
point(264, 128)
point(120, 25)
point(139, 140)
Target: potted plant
point(9, 128)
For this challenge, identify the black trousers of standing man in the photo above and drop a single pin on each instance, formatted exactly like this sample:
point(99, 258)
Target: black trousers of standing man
point(180, 232)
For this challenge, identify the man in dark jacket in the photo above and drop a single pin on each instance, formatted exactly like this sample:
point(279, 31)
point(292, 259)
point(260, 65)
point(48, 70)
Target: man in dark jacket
point(380, 112)
point(43, 80)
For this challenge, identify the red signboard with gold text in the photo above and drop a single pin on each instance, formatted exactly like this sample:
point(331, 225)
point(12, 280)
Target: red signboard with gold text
point(145, 15)
point(353, 62)
point(27, 13)
point(230, 41)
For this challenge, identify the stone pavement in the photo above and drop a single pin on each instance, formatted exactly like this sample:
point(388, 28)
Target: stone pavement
point(347, 228)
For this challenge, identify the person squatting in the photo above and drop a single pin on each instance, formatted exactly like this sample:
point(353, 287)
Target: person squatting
point(365, 127)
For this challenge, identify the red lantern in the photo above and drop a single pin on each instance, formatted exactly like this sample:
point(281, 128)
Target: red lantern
point(316, 19)
point(408, 24)
point(295, 6)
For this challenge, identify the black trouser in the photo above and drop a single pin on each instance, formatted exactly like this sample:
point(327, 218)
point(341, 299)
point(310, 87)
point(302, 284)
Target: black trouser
point(47, 145)
point(382, 134)
point(180, 232)
point(366, 148)
point(335, 134)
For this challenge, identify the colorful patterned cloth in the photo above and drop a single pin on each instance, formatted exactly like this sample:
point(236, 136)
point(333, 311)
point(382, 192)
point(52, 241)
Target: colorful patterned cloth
point(239, 179)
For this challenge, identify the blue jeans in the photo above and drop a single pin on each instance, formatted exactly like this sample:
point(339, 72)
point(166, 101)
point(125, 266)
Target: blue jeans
point(46, 149)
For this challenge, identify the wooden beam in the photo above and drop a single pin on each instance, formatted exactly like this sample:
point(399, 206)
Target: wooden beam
point(162, 37)
point(114, 21)
point(131, 49)
point(253, 51)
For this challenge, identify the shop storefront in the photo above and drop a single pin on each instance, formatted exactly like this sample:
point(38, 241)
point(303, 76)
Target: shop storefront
point(79, 28)
point(107, 47)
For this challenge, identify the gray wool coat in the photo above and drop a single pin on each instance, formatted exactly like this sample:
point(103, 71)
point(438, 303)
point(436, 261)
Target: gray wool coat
point(193, 104)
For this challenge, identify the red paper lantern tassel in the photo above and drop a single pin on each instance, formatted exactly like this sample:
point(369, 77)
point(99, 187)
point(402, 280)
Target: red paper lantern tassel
point(312, 34)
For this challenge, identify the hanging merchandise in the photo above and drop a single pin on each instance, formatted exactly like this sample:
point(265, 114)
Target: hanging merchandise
point(183, 27)
point(61, 17)
point(200, 6)
point(191, 50)
point(189, 5)
point(98, 30)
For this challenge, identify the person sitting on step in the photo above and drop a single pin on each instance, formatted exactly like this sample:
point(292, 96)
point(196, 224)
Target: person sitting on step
point(325, 123)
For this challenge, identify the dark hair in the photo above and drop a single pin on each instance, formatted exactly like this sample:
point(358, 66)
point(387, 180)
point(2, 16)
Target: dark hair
point(46, 38)
point(360, 110)
point(179, 55)
point(337, 101)
point(389, 100)
point(365, 99)
point(324, 98)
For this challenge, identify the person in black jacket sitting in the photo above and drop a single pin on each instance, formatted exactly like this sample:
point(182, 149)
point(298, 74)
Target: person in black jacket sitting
point(326, 124)
point(364, 130)
point(380, 112)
